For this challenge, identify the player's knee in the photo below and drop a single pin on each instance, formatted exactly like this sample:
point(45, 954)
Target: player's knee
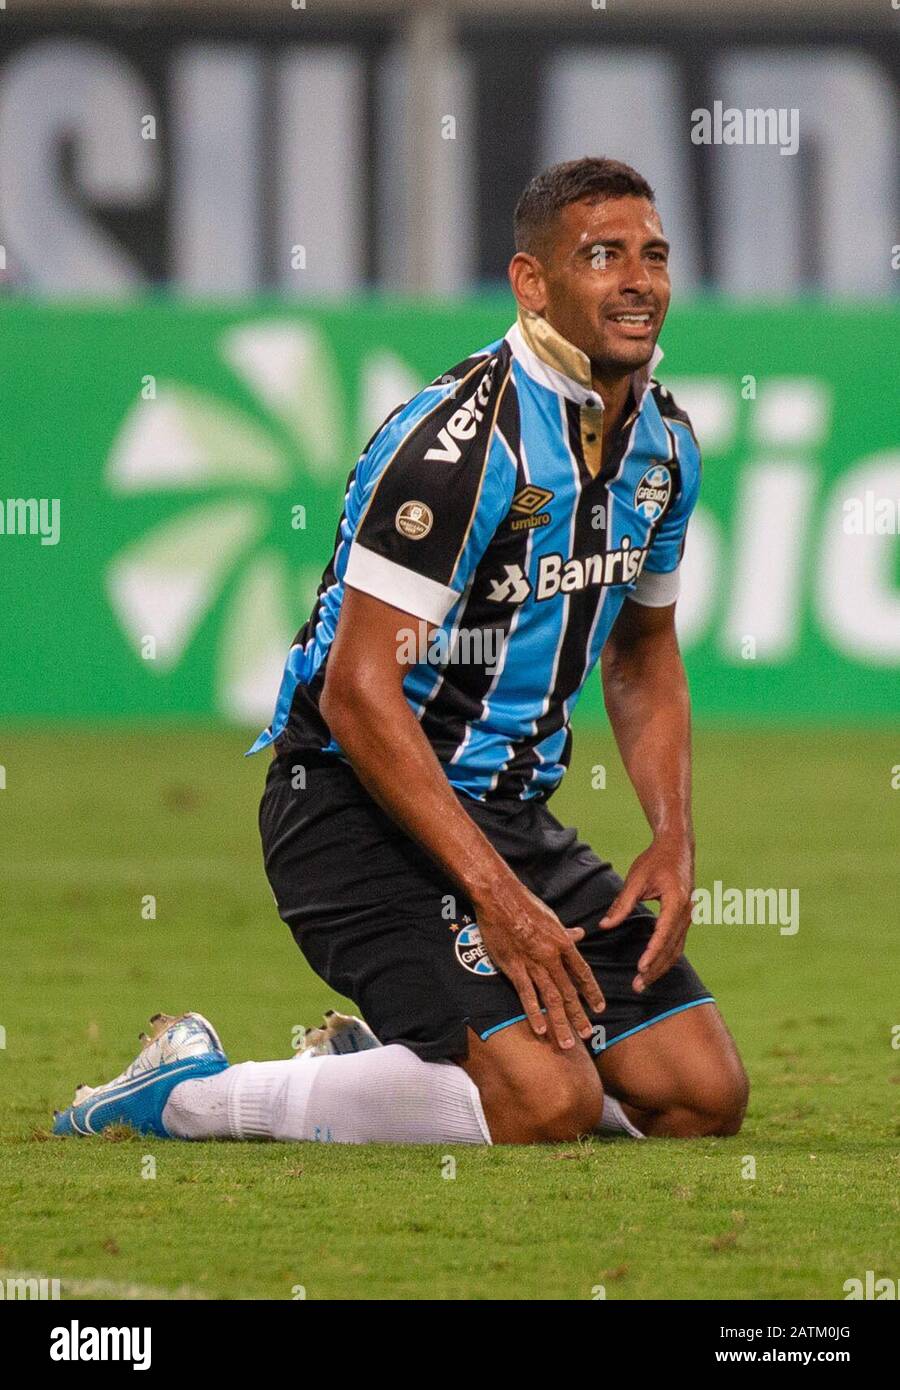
point(560, 1105)
point(571, 1116)
point(725, 1103)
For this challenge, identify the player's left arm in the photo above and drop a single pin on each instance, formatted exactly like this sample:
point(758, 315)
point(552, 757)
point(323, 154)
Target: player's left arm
point(647, 700)
point(646, 695)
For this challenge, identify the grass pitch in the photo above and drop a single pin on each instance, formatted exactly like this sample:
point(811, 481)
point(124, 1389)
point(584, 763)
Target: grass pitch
point(94, 827)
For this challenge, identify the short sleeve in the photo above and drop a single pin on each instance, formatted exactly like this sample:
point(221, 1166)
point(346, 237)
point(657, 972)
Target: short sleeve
point(433, 501)
point(658, 584)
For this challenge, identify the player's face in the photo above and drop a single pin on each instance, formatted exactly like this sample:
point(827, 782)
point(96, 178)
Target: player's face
point(606, 281)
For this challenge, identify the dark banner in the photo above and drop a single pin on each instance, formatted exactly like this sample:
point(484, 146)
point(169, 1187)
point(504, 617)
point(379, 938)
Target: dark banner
point(223, 155)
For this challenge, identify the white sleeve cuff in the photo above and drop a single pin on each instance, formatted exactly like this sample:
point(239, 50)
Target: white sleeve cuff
point(656, 590)
point(401, 588)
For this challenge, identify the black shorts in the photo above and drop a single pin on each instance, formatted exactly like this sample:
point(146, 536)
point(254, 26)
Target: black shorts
point(383, 925)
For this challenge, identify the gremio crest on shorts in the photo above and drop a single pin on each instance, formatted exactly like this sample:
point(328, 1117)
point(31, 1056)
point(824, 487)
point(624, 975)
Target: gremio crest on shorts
point(652, 494)
point(471, 951)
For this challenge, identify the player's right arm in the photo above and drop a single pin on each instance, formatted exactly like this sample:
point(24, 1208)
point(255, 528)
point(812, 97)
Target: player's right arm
point(365, 707)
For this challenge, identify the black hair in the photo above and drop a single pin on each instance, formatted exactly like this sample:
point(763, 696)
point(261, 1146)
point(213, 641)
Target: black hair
point(554, 188)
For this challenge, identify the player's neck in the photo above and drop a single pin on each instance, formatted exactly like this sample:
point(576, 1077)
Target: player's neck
point(553, 348)
point(615, 393)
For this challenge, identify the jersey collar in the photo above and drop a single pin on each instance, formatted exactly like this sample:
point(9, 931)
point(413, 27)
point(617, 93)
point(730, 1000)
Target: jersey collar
point(553, 361)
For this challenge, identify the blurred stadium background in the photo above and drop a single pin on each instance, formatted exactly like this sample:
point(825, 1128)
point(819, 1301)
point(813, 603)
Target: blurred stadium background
point(232, 237)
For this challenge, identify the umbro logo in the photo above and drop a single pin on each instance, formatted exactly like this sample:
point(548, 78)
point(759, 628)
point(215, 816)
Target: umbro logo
point(530, 499)
point(528, 502)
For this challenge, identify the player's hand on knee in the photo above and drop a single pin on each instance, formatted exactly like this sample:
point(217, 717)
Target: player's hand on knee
point(540, 958)
point(664, 873)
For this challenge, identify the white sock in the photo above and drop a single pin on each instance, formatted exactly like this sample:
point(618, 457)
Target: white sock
point(385, 1096)
point(613, 1119)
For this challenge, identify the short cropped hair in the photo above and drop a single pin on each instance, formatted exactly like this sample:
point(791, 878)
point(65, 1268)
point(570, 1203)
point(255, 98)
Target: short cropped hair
point(554, 188)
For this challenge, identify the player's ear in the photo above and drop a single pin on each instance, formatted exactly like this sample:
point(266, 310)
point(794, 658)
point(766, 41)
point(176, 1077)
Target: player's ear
point(526, 276)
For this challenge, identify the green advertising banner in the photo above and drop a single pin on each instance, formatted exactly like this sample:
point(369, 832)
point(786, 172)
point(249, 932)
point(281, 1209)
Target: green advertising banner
point(172, 475)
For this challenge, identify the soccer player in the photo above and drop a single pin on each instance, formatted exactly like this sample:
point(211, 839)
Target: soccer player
point(518, 521)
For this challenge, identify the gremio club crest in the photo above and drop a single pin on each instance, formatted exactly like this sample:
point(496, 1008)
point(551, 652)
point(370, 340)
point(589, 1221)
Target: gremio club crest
point(471, 951)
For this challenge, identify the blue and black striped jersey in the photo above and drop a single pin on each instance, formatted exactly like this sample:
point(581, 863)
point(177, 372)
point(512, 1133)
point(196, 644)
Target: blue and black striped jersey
point(481, 509)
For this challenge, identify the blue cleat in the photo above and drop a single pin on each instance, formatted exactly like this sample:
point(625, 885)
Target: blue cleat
point(178, 1049)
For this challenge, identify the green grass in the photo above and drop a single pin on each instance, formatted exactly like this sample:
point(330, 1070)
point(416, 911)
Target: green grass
point(91, 825)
